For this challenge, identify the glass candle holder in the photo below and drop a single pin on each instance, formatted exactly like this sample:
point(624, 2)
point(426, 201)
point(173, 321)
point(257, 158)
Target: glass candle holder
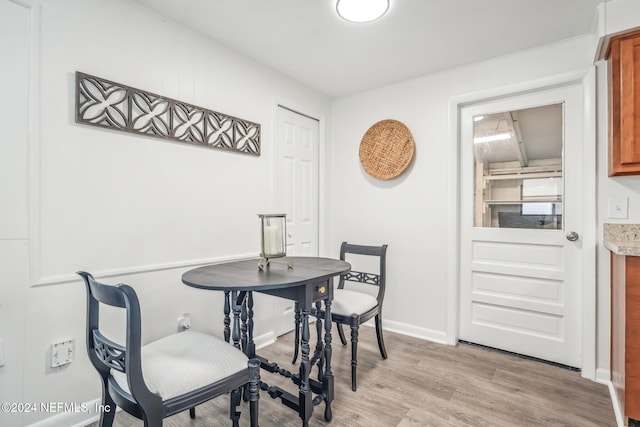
point(273, 238)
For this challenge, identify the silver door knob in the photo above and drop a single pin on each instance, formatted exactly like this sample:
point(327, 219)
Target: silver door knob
point(572, 236)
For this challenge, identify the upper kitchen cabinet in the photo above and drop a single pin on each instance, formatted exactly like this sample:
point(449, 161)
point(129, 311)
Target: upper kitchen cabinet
point(624, 104)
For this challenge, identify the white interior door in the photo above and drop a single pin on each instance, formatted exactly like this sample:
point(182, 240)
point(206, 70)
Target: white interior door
point(296, 154)
point(520, 275)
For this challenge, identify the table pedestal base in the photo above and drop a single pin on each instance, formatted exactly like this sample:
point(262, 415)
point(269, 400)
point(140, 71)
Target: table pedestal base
point(241, 304)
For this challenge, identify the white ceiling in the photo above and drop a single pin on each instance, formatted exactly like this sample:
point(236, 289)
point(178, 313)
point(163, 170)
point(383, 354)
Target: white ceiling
point(305, 40)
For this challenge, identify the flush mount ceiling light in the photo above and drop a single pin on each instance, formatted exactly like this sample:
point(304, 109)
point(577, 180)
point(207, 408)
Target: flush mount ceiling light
point(491, 138)
point(361, 10)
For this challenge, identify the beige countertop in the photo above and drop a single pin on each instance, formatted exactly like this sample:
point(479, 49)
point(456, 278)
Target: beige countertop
point(622, 239)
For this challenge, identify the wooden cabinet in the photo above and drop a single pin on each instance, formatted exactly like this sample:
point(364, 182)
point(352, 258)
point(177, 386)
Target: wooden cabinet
point(624, 104)
point(625, 333)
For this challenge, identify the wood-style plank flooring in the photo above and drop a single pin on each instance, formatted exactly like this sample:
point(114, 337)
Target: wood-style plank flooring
point(425, 384)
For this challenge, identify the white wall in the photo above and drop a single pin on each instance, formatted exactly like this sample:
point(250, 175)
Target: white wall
point(14, 21)
point(411, 212)
point(128, 208)
point(93, 189)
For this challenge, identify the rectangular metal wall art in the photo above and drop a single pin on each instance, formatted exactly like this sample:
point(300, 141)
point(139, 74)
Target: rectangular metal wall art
point(111, 105)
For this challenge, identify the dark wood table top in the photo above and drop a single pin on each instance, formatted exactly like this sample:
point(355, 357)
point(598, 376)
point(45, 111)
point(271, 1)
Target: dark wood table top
point(245, 276)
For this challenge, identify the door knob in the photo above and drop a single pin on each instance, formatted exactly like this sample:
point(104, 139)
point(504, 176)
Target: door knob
point(572, 236)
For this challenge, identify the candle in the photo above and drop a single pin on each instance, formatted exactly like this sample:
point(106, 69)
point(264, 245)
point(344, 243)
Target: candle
point(272, 231)
point(272, 240)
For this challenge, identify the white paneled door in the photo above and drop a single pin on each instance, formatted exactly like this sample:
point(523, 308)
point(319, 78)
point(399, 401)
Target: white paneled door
point(296, 191)
point(520, 224)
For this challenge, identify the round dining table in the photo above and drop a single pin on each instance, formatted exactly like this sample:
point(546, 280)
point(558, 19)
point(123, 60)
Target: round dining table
point(306, 280)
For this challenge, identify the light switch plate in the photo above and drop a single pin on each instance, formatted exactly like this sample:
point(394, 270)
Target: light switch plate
point(62, 353)
point(619, 208)
point(2, 353)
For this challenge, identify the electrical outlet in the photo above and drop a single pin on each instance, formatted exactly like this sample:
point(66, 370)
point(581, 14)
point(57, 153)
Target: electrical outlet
point(619, 208)
point(184, 322)
point(62, 353)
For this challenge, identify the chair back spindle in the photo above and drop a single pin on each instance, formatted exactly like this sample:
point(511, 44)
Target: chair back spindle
point(365, 277)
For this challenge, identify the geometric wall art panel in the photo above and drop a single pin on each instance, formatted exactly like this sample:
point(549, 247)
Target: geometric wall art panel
point(111, 105)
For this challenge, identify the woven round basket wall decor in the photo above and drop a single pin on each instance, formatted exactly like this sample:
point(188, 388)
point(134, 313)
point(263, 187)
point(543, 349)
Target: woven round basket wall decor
point(386, 149)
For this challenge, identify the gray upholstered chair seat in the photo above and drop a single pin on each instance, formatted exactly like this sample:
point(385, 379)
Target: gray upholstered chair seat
point(179, 363)
point(347, 302)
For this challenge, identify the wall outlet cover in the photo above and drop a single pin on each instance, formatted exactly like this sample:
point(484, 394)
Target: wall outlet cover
point(184, 322)
point(62, 353)
point(619, 207)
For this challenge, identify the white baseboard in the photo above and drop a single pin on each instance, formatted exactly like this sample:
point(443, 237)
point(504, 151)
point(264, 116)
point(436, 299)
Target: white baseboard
point(616, 405)
point(387, 325)
point(415, 331)
point(603, 376)
point(264, 340)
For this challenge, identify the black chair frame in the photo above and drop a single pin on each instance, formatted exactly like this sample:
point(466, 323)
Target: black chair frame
point(355, 320)
point(106, 355)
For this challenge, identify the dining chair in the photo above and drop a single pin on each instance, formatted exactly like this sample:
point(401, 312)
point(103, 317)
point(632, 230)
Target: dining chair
point(166, 376)
point(353, 306)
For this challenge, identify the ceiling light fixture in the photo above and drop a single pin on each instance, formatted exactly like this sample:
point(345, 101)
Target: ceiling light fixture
point(361, 10)
point(491, 138)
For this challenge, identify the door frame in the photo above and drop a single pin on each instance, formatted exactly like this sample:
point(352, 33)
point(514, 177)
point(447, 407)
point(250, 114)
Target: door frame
point(587, 80)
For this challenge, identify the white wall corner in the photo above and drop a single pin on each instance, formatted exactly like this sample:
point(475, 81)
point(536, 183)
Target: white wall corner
point(621, 16)
point(599, 33)
point(590, 225)
point(603, 376)
point(451, 335)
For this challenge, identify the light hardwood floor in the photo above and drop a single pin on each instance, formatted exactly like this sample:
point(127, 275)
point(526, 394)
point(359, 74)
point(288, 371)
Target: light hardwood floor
point(425, 384)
